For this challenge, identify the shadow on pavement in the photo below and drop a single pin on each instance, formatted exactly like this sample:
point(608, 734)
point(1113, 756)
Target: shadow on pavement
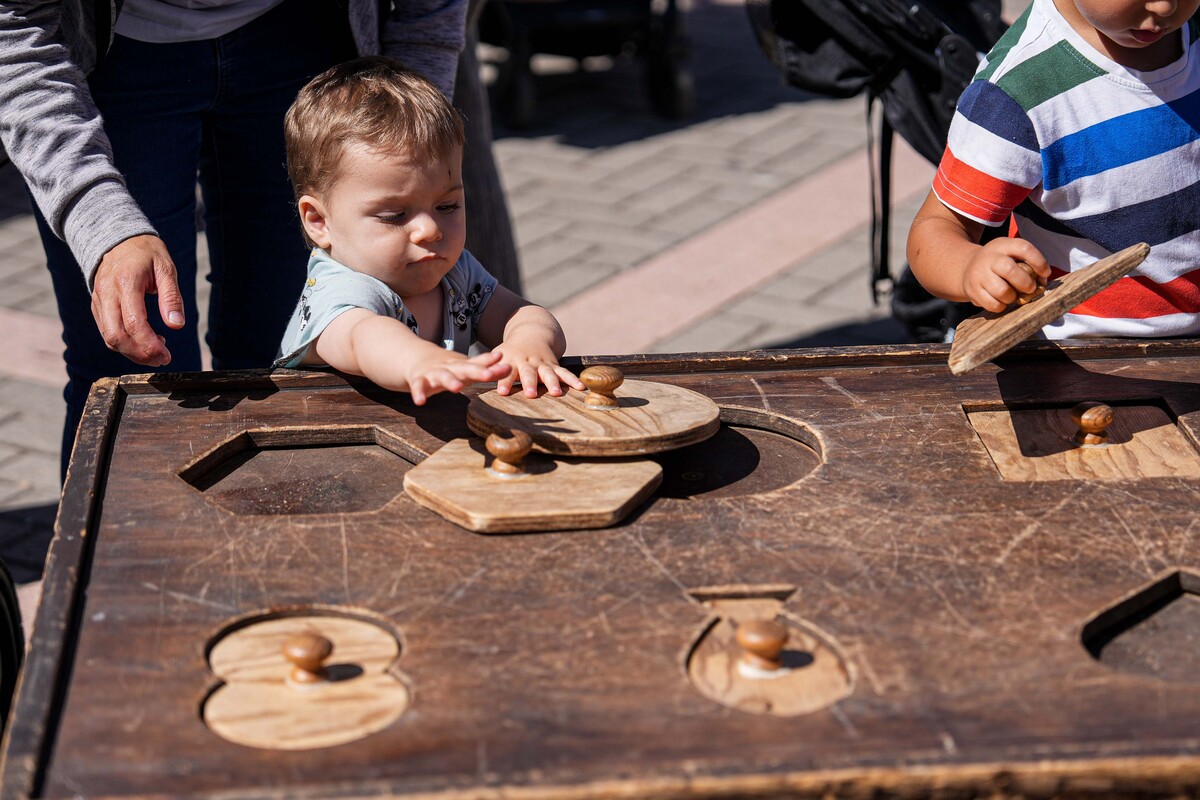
point(871, 332)
point(603, 107)
point(25, 535)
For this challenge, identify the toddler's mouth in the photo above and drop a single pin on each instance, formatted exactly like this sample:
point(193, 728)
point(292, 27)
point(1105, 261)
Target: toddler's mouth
point(1147, 37)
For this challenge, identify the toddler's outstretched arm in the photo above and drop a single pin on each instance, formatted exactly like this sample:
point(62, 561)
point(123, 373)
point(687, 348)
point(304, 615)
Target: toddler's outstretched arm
point(945, 255)
point(384, 350)
point(529, 340)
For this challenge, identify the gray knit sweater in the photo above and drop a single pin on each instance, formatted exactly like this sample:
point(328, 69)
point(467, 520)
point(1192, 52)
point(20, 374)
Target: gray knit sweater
point(52, 131)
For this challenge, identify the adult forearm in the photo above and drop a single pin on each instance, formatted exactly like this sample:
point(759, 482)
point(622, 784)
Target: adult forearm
point(52, 131)
point(427, 35)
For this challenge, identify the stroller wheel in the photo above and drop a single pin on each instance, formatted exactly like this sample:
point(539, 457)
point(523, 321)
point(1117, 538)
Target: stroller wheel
point(672, 87)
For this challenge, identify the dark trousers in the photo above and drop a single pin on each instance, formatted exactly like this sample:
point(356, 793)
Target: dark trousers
point(209, 110)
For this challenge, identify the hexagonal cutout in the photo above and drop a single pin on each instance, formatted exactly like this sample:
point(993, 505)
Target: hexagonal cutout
point(1153, 633)
point(319, 470)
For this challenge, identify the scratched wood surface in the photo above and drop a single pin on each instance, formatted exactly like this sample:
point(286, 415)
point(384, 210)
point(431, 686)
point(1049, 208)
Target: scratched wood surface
point(556, 664)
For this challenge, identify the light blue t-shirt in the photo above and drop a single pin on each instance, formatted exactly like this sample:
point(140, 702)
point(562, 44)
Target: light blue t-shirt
point(333, 288)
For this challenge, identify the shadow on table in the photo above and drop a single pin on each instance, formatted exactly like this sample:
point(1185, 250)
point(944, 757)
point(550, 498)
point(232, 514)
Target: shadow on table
point(25, 535)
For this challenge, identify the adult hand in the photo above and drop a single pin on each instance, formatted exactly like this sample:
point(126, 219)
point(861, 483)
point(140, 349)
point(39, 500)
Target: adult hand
point(134, 268)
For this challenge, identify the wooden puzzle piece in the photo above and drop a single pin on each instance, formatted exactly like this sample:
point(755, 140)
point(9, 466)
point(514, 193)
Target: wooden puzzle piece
point(615, 417)
point(984, 336)
point(303, 682)
point(507, 489)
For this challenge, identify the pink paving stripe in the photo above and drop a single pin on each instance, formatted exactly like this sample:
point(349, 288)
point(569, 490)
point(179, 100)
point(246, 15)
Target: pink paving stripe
point(687, 282)
point(32, 348)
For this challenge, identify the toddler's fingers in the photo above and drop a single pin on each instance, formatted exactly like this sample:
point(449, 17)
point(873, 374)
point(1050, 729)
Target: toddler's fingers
point(569, 378)
point(445, 380)
point(417, 390)
point(992, 293)
point(1022, 250)
point(549, 377)
point(504, 385)
point(1020, 277)
point(529, 379)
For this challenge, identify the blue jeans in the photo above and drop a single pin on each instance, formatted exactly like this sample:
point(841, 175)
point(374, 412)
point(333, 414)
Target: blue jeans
point(212, 109)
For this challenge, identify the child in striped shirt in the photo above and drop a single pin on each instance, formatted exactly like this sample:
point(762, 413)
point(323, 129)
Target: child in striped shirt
point(1083, 126)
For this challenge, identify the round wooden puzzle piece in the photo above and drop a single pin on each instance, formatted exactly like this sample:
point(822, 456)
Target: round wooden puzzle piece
point(615, 417)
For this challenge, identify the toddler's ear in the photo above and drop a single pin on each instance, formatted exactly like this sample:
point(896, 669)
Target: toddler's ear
point(314, 219)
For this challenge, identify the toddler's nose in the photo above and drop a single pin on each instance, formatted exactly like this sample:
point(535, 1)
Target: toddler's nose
point(425, 228)
point(1162, 8)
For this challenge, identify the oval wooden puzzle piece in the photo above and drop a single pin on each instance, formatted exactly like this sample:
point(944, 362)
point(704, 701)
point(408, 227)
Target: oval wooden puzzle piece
point(302, 682)
point(643, 417)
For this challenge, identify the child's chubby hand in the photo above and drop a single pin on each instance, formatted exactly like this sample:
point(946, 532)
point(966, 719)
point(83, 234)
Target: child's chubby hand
point(533, 364)
point(996, 275)
point(447, 371)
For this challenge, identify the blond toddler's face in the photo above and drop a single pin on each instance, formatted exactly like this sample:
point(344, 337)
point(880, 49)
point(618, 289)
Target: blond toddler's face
point(1135, 33)
point(393, 217)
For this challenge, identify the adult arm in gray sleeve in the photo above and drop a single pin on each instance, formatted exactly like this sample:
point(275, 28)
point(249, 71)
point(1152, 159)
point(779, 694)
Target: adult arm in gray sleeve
point(427, 35)
point(52, 131)
point(53, 134)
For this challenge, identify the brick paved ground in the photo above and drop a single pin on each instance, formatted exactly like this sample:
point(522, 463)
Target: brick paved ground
point(743, 227)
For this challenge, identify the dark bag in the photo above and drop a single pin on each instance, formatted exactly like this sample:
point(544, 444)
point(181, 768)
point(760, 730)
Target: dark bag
point(915, 57)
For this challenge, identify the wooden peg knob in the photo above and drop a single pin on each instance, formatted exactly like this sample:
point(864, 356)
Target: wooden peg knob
point(601, 383)
point(762, 642)
point(1028, 297)
point(1093, 419)
point(509, 451)
point(307, 653)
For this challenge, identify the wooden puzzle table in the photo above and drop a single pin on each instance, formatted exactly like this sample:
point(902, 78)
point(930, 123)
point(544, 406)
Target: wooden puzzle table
point(875, 579)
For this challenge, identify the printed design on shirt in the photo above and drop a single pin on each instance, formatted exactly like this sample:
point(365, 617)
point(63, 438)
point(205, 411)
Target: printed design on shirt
point(305, 305)
point(465, 310)
point(407, 318)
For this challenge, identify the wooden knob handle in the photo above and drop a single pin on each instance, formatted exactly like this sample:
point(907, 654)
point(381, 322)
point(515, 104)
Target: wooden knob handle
point(762, 642)
point(307, 653)
point(601, 383)
point(1093, 419)
point(509, 451)
point(1029, 297)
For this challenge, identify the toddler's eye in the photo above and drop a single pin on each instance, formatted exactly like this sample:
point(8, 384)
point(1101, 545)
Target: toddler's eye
point(391, 219)
point(448, 208)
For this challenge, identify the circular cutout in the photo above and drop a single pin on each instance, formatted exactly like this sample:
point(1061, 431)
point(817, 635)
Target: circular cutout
point(754, 452)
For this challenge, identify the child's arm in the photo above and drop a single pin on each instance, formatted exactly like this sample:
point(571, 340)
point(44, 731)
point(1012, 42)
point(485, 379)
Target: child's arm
point(945, 255)
point(384, 350)
point(527, 338)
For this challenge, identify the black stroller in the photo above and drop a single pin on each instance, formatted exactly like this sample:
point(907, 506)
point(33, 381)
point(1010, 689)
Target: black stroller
point(653, 29)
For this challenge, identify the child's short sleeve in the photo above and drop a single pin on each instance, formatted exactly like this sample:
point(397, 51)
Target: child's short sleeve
point(331, 290)
point(992, 159)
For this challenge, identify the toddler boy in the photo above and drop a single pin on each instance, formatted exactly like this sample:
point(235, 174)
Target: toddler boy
point(1082, 123)
point(375, 157)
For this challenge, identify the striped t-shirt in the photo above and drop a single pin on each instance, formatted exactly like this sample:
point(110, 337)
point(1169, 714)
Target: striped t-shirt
point(1089, 157)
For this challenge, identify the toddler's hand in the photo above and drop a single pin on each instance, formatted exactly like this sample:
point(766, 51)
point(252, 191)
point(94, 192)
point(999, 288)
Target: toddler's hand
point(531, 366)
point(994, 278)
point(452, 372)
